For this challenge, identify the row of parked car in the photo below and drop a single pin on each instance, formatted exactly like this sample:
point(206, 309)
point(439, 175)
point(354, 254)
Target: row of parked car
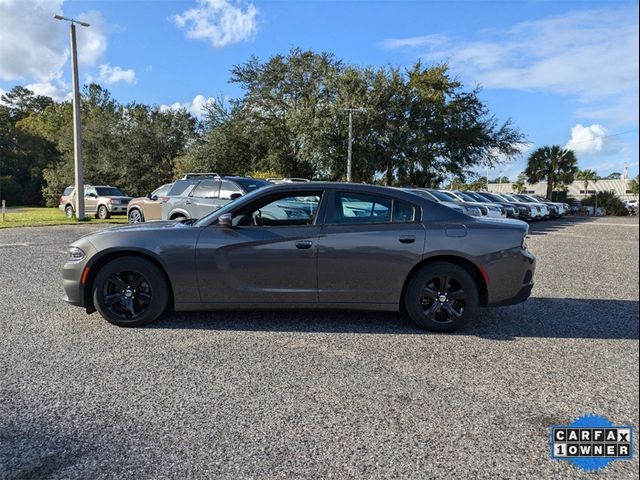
point(197, 194)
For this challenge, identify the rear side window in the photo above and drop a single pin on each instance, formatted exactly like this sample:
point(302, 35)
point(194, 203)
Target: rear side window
point(403, 212)
point(67, 191)
point(206, 189)
point(361, 208)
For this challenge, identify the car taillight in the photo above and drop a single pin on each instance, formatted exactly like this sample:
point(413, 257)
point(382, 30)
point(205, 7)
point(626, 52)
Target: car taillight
point(60, 200)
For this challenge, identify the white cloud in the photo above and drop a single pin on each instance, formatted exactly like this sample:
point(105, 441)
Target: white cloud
point(110, 75)
point(591, 55)
point(221, 22)
point(589, 140)
point(30, 39)
point(56, 89)
point(413, 42)
point(92, 41)
point(197, 107)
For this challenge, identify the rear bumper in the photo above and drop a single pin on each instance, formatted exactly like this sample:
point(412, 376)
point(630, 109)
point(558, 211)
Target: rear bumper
point(513, 274)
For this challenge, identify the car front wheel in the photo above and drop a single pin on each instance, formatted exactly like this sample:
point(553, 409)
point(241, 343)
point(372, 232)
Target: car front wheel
point(135, 216)
point(441, 297)
point(130, 292)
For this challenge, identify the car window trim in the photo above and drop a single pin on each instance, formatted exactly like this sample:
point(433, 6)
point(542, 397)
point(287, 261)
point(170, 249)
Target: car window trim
point(417, 213)
point(323, 192)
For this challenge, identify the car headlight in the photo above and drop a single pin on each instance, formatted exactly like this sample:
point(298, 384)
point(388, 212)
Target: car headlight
point(75, 254)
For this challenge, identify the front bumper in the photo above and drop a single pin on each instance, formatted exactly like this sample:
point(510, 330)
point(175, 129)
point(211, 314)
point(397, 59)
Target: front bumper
point(72, 277)
point(118, 209)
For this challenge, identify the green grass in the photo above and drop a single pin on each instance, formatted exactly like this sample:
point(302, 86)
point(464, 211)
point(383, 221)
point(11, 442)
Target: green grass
point(43, 216)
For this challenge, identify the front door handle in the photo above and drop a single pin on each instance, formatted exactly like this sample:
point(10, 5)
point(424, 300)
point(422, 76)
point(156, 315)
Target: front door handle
point(187, 203)
point(407, 238)
point(304, 244)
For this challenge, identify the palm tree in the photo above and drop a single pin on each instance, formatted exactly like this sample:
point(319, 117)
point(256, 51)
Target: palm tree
point(554, 164)
point(588, 176)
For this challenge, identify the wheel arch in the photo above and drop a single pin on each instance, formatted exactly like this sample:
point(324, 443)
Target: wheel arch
point(473, 269)
point(135, 207)
point(178, 213)
point(109, 255)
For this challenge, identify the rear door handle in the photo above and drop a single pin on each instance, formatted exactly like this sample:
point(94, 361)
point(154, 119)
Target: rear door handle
point(187, 203)
point(407, 238)
point(304, 244)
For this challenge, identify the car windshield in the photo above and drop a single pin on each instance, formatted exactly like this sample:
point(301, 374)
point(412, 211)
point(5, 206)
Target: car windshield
point(251, 184)
point(465, 196)
point(159, 192)
point(484, 196)
point(443, 196)
point(425, 194)
point(109, 192)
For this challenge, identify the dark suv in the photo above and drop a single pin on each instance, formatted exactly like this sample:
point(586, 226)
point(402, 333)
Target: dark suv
point(197, 196)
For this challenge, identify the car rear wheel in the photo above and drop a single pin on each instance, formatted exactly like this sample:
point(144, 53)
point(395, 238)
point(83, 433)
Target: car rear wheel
point(130, 292)
point(441, 297)
point(135, 216)
point(178, 218)
point(68, 211)
point(103, 212)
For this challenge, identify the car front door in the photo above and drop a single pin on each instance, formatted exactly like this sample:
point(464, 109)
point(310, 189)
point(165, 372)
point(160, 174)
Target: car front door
point(367, 247)
point(90, 199)
point(269, 256)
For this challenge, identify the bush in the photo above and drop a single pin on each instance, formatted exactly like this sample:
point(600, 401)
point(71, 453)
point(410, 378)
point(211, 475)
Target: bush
point(607, 200)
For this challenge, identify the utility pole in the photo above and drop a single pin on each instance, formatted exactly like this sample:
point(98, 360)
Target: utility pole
point(349, 163)
point(77, 133)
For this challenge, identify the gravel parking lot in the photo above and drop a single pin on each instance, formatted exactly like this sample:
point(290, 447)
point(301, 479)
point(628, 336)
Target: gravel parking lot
point(318, 394)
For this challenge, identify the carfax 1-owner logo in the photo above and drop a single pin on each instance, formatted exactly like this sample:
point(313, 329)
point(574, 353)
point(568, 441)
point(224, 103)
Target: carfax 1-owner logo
point(591, 442)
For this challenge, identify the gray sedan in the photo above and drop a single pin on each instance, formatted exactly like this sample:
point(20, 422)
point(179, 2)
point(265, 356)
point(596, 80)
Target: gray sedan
point(307, 245)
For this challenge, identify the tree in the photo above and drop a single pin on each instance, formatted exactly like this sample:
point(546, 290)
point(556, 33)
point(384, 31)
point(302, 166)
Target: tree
point(613, 176)
point(552, 164)
point(519, 185)
point(635, 186)
point(588, 176)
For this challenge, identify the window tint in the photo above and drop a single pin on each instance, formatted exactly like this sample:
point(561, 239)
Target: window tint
point(228, 188)
point(251, 184)
point(403, 212)
point(109, 192)
point(207, 189)
point(443, 196)
point(361, 208)
point(281, 211)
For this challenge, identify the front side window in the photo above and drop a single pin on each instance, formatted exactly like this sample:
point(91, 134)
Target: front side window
point(285, 210)
point(229, 188)
point(206, 189)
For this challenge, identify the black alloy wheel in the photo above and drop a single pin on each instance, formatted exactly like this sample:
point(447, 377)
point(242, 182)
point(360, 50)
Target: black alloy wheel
point(441, 297)
point(130, 292)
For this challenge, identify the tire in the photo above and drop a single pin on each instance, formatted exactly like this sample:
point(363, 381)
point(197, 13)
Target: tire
point(68, 211)
point(179, 218)
point(427, 305)
point(103, 212)
point(135, 216)
point(130, 292)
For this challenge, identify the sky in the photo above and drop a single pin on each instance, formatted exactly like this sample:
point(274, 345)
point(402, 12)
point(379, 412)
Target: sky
point(565, 72)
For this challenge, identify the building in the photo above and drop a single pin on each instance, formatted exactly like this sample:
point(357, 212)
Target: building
point(622, 188)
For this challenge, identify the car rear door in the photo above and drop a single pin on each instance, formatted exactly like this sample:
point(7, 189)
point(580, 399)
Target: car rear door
point(272, 262)
point(204, 198)
point(90, 199)
point(367, 247)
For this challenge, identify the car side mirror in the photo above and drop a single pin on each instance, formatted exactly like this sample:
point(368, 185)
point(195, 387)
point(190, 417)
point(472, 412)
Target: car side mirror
point(153, 197)
point(233, 196)
point(92, 195)
point(225, 220)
